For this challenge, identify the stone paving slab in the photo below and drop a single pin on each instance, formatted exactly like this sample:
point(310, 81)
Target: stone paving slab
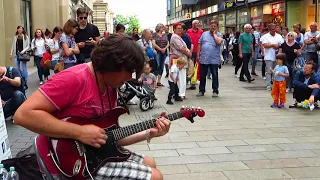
point(240, 138)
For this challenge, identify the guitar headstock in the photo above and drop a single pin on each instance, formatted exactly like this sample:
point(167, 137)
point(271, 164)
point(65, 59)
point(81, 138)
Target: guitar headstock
point(190, 112)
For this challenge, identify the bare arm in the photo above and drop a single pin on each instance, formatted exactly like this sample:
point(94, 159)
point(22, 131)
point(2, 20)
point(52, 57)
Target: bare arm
point(217, 39)
point(240, 48)
point(155, 45)
point(198, 51)
point(268, 45)
point(67, 51)
point(15, 82)
point(97, 41)
point(35, 115)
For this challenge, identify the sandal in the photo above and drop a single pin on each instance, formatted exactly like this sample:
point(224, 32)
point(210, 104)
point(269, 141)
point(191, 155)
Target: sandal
point(160, 85)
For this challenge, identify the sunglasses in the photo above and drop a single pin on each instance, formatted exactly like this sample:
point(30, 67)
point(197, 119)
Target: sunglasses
point(81, 18)
point(290, 35)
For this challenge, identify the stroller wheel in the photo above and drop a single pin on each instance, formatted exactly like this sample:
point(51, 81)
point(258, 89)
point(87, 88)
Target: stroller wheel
point(144, 104)
point(151, 103)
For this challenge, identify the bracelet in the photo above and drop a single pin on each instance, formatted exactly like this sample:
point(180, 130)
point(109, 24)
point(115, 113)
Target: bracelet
point(148, 136)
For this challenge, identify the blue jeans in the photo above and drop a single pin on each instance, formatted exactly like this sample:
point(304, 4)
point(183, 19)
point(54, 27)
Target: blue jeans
point(41, 70)
point(160, 58)
point(215, 79)
point(256, 56)
point(14, 103)
point(24, 67)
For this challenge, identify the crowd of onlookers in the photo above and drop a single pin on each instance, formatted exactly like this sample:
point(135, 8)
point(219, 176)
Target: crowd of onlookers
point(186, 56)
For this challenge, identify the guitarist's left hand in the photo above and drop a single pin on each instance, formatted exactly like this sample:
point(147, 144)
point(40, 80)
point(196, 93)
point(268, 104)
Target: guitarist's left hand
point(162, 127)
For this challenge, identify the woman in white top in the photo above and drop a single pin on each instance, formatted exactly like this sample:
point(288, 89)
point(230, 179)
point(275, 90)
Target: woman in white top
point(55, 45)
point(20, 44)
point(38, 46)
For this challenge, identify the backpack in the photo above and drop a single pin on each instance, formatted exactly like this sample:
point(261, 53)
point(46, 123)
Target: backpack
point(23, 86)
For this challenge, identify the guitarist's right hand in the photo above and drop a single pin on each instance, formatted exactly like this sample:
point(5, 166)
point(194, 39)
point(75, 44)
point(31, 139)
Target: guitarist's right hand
point(92, 135)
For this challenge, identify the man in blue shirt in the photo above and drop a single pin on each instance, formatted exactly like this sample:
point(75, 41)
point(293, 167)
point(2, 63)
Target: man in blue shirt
point(11, 90)
point(306, 84)
point(209, 55)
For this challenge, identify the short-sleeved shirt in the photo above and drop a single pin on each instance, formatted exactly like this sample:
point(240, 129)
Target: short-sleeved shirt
point(175, 71)
point(195, 36)
point(54, 45)
point(210, 50)
point(187, 40)
point(148, 81)
point(246, 40)
point(160, 41)
point(282, 69)
point(74, 93)
point(300, 39)
point(310, 47)
point(83, 35)
point(270, 53)
point(257, 36)
point(6, 89)
point(289, 51)
point(176, 45)
point(71, 44)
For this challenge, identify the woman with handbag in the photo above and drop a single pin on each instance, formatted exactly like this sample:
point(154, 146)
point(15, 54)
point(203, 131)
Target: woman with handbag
point(20, 51)
point(293, 51)
point(55, 46)
point(69, 47)
point(148, 49)
point(38, 46)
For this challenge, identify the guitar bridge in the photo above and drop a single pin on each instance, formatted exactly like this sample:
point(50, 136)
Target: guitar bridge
point(80, 148)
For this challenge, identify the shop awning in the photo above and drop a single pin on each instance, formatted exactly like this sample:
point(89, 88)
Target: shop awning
point(186, 2)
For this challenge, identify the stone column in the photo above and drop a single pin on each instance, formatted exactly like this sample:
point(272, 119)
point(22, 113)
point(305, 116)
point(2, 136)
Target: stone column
point(9, 20)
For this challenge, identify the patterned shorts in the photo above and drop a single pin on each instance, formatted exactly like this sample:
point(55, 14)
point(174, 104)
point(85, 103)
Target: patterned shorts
point(132, 169)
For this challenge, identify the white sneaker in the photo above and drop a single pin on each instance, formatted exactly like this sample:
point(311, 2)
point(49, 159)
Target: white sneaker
point(288, 90)
point(264, 78)
point(236, 75)
point(41, 82)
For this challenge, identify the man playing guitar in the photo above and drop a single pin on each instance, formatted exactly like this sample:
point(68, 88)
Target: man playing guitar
point(89, 91)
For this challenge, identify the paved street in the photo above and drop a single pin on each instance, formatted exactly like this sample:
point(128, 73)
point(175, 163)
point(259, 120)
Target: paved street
point(240, 138)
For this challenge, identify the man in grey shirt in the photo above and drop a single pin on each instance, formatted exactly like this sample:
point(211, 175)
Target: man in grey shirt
point(310, 42)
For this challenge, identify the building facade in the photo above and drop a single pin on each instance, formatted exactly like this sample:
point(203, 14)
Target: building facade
point(102, 16)
point(233, 14)
point(33, 14)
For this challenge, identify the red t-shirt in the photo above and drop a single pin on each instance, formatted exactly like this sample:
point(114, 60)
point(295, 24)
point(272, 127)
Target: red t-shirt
point(195, 36)
point(74, 93)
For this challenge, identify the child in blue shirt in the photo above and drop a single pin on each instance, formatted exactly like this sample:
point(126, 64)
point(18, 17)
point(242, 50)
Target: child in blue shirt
point(280, 72)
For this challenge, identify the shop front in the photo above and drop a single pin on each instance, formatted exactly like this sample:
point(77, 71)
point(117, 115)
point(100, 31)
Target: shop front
point(264, 13)
point(231, 22)
point(301, 12)
point(222, 23)
point(256, 17)
point(242, 19)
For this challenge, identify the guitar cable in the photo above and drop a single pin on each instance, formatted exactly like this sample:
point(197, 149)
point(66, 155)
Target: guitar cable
point(86, 165)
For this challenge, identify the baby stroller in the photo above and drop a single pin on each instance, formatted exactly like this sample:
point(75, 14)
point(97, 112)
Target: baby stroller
point(133, 88)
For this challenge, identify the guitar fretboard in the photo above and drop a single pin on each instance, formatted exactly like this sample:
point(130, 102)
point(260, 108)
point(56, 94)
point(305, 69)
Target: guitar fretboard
point(126, 131)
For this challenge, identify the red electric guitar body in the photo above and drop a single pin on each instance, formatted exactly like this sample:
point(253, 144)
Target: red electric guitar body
point(79, 161)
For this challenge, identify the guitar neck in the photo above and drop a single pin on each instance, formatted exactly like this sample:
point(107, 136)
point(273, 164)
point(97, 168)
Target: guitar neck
point(126, 131)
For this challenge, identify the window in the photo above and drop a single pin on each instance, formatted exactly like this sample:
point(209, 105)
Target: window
point(25, 16)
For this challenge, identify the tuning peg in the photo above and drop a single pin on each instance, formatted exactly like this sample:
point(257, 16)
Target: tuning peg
point(183, 107)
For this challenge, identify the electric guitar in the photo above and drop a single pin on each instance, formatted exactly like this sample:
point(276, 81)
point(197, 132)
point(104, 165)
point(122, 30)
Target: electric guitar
point(79, 161)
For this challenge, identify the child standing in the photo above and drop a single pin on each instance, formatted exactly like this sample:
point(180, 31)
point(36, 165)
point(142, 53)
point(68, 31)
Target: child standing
point(280, 72)
point(174, 78)
point(148, 80)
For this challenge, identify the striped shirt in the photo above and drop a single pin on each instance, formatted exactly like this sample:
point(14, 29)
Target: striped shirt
point(160, 41)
